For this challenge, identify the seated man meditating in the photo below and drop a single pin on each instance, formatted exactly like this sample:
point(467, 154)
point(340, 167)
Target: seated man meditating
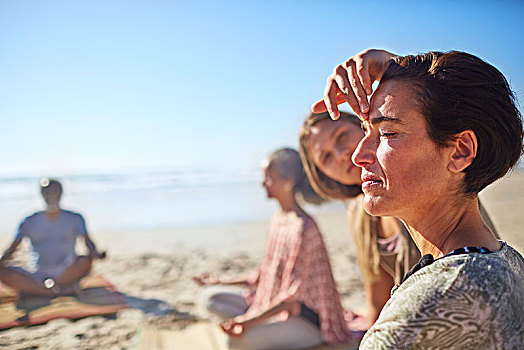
point(53, 235)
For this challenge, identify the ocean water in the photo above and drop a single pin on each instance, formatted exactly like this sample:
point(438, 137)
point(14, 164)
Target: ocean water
point(145, 199)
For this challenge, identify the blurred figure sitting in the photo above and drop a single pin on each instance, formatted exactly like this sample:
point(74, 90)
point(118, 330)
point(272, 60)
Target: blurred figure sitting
point(53, 235)
point(291, 301)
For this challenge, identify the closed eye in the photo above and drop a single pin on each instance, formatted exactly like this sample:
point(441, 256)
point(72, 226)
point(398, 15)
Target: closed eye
point(387, 134)
point(341, 137)
point(326, 158)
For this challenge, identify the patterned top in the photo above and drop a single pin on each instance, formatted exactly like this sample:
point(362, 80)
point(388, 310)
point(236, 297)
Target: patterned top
point(465, 301)
point(296, 267)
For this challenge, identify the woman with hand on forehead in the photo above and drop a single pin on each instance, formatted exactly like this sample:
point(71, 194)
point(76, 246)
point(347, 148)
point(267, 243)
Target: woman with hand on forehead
point(439, 128)
point(385, 249)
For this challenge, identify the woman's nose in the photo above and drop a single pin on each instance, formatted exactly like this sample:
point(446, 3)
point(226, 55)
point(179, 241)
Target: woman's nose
point(364, 153)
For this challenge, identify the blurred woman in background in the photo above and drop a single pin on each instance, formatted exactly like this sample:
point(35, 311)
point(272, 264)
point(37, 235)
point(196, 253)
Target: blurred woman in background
point(291, 301)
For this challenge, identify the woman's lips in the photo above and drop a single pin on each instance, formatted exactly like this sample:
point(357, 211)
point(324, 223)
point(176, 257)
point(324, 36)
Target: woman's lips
point(370, 182)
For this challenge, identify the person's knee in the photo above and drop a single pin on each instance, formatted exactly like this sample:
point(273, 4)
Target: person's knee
point(8, 272)
point(5, 271)
point(211, 303)
point(85, 262)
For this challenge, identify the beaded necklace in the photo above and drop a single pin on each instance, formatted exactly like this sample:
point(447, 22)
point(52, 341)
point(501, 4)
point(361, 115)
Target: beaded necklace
point(428, 258)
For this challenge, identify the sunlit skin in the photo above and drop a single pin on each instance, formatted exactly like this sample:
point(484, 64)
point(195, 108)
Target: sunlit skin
point(352, 81)
point(331, 145)
point(400, 164)
point(406, 175)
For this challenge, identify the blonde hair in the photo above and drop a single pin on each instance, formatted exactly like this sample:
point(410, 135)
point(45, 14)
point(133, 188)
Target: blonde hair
point(364, 227)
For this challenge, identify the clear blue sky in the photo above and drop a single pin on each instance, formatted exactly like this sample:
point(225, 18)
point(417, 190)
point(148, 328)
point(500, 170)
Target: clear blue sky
point(94, 85)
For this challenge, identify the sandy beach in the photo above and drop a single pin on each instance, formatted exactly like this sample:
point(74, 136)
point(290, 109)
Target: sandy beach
point(154, 269)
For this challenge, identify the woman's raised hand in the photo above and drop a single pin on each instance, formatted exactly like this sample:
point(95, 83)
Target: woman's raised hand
point(352, 82)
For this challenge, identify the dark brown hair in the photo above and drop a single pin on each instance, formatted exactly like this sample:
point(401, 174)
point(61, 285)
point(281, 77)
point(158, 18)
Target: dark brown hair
point(287, 163)
point(323, 184)
point(456, 91)
point(48, 183)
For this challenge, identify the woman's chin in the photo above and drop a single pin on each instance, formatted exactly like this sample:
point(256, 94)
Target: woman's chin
point(374, 205)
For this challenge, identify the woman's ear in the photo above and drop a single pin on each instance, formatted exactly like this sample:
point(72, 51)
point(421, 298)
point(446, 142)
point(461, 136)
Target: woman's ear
point(288, 186)
point(464, 151)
